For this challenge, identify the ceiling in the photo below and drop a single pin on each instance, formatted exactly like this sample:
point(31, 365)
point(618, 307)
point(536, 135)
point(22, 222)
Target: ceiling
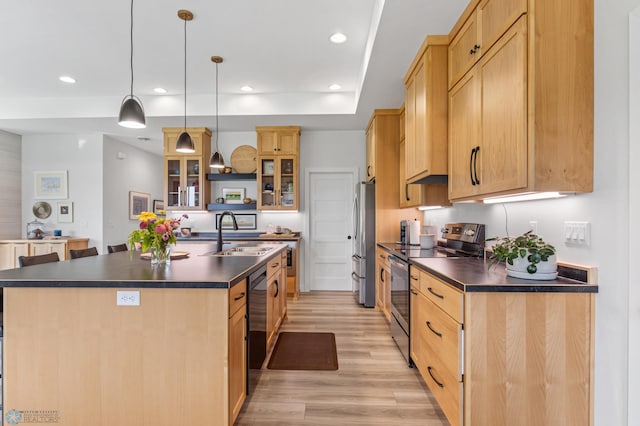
point(279, 47)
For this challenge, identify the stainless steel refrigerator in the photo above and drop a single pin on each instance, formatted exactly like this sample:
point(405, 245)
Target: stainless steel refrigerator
point(364, 244)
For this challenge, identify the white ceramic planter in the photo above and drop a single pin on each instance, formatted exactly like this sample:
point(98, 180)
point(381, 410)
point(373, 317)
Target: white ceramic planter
point(546, 270)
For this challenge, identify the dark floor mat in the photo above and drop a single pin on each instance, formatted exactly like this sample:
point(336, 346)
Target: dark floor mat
point(304, 351)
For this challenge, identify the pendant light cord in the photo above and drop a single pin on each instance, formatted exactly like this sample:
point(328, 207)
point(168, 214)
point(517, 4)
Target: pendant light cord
point(185, 75)
point(131, 45)
point(217, 130)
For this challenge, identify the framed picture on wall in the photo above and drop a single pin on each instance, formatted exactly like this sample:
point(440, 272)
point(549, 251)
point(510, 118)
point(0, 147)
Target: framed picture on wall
point(65, 212)
point(233, 195)
point(244, 221)
point(158, 207)
point(50, 185)
point(138, 202)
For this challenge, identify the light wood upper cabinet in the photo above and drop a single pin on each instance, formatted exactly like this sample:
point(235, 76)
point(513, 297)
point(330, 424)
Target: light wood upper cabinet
point(280, 140)
point(185, 183)
point(487, 118)
point(278, 160)
point(521, 119)
point(482, 27)
point(370, 172)
point(426, 112)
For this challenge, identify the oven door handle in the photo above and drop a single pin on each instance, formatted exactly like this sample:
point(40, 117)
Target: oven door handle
point(398, 263)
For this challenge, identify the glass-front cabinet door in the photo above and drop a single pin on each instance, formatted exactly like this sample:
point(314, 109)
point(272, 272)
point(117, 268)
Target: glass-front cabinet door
point(184, 178)
point(278, 183)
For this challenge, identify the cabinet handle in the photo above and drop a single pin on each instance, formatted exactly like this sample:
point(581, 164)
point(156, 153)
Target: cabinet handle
point(368, 171)
point(413, 277)
point(274, 265)
point(415, 293)
point(473, 151)
point(474, 50)
point(433, 378)
point(406, 192)
point(277, 288)
point(381, 275)
point(475, 166)
point(432, 330)
point(239, 297)
point(434, 293)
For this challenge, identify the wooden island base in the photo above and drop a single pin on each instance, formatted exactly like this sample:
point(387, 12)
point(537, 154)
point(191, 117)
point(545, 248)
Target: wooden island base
point(74, 353)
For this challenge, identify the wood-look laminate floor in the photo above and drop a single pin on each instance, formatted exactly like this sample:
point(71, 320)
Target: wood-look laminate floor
point(372, 386)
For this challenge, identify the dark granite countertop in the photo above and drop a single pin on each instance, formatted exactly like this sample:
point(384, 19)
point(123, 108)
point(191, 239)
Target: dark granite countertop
point(406, 251)
point(122, 270)
point(471, 274)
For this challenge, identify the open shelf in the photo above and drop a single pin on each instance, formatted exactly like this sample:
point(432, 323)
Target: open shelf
point(231, 176)
point(216, 206)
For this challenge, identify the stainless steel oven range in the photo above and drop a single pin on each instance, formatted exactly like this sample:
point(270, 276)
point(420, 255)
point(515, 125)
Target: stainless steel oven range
point(461, 239)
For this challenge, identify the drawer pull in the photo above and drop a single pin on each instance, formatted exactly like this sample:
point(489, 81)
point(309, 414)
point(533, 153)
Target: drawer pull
point(433, 378)
point(239, 297)
point(415, 293)
point(274, 265)
point(432, 330)
point(434, 293)
point(413, 277)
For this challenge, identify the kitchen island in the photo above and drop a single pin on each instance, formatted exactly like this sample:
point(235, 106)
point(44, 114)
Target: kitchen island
point(78, 352)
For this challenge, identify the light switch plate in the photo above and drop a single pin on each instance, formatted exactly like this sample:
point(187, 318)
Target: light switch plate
point(128, 298)
point(576, 233)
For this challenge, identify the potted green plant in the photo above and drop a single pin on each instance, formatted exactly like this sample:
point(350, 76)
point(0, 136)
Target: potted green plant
point(526, 256)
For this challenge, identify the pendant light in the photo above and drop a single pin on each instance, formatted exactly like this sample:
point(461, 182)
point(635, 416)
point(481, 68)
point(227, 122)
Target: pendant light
point(131, 110)
point(185, 144)
point(216, 162)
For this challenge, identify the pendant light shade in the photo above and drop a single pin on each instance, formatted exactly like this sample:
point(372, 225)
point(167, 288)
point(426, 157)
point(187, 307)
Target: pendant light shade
point(185, 144)
point(131, 113)
point(131, 110)
point(216, 162)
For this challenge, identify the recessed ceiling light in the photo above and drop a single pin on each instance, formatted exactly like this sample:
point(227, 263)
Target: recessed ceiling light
point(246, 89)
point(338, 38)
point(335, 87)
point(160, 90)
point(67, 79)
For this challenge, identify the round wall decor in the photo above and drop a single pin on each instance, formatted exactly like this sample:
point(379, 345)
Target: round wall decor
point(243, 159)
point(41, 209)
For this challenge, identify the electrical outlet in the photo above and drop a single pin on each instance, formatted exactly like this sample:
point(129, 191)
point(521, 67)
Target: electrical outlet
point(576, 233)
point(128, 298)
point(533, 226)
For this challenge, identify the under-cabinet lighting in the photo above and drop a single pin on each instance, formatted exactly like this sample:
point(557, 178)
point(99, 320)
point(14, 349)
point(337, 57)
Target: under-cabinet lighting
point(524, 197)
point(279, 211)
point(246, 89)
point(423, 208)
point(335, 87)
point(67, 79)
point(160, 90)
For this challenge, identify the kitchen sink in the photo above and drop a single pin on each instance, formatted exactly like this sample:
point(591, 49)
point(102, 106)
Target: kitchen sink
point(243, 251)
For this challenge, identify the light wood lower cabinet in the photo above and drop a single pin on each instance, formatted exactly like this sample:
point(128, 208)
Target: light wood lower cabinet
point(237, 349)
point(276, 292)
point(383, 282)
point(10, 250)
point(503, 358)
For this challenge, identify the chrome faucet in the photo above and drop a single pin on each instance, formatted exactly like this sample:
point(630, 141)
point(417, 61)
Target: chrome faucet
point(235, 227)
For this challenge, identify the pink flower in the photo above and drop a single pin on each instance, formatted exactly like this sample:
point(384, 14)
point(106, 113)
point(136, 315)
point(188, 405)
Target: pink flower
point(160, 229)
point(143, 225)
point(166, 236)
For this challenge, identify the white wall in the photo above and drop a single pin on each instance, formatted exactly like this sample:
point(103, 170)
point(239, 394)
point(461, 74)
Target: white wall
point(634, 213)
point(81, 157)
point(607, 209)
point(138, 171)
point(10, 181)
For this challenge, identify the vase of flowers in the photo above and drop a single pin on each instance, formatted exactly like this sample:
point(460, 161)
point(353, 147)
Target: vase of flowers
point(155, 235)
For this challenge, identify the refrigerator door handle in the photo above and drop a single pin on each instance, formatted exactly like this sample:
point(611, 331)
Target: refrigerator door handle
point(356, 257)
point(355, 217)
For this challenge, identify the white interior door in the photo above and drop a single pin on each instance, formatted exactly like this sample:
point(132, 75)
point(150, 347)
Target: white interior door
point(330, 195)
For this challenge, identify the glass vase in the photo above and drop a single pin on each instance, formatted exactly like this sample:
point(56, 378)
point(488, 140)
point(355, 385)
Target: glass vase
point(160, 255)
